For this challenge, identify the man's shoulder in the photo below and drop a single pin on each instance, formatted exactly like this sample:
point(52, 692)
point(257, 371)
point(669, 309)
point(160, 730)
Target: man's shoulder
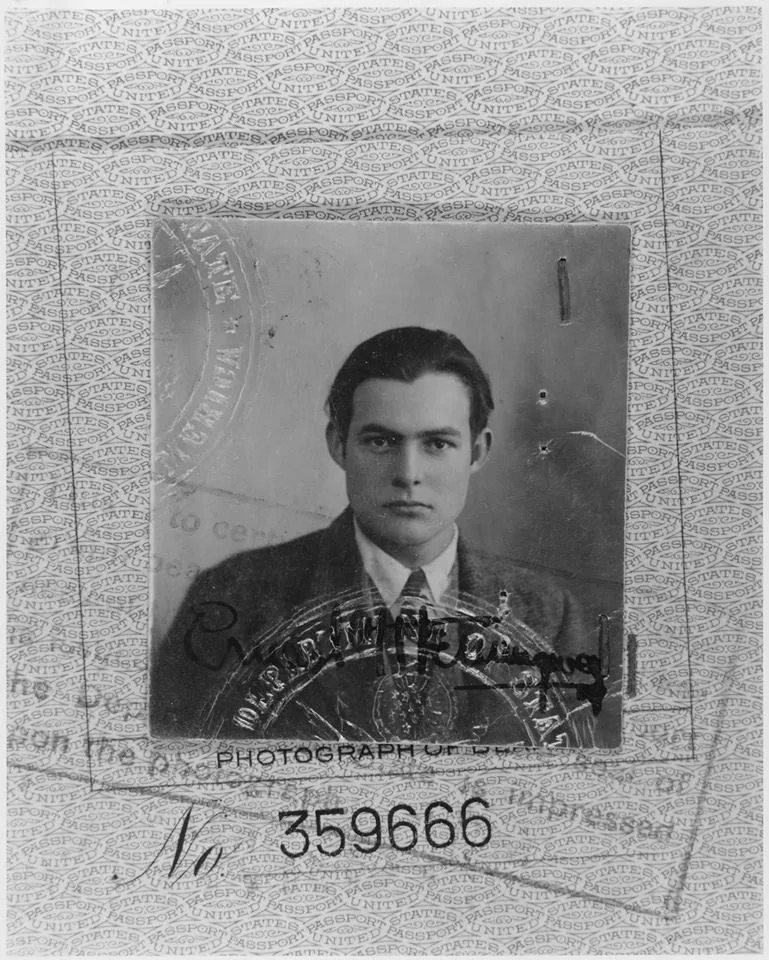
point(266, 583)
point(535, 595)
point(504, 573)
point(275, 561)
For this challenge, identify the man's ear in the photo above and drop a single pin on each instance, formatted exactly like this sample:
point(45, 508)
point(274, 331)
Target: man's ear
point(335, 444)
point(481, 450)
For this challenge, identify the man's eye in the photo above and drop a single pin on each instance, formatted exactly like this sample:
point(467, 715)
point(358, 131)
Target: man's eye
point(379, 443)
point(437, 444)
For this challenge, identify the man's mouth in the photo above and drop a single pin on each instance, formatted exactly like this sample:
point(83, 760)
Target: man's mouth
point(407, 505)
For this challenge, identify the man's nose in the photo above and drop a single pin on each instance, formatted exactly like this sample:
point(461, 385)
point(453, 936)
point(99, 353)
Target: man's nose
point(408, 466)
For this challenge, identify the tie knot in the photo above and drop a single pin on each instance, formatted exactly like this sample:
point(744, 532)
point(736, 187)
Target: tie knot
point(416, 585)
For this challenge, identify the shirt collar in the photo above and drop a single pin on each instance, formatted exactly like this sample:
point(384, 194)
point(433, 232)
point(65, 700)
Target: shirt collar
point(390, 576)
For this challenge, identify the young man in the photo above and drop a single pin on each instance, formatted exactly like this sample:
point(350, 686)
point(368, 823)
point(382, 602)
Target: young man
point(408, 425)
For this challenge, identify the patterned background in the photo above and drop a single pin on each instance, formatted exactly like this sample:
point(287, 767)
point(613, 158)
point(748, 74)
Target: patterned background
point(115, 118)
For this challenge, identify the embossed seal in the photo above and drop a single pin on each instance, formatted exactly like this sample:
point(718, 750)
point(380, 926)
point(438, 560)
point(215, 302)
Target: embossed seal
point(198, 272)
point(413, 706)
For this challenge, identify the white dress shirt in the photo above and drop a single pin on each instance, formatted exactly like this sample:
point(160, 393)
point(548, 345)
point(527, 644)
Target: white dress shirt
point(390, 576)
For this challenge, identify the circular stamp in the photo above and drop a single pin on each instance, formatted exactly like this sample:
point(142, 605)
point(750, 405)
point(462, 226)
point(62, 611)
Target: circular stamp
point(341, 669)
point(205, 332)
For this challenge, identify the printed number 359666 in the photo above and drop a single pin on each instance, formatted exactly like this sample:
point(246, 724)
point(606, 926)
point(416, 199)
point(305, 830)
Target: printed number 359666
point(403, 824)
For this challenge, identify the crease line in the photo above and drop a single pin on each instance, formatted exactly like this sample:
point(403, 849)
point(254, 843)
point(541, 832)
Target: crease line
point(674, 378)
point(78, 569)
point(594, 436)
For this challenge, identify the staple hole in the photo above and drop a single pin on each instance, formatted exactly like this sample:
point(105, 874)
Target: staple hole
point(542, 399)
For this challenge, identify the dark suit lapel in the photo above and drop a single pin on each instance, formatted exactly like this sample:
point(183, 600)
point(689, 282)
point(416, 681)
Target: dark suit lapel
point(339, 566)
point(470, 576)
point(468, 581)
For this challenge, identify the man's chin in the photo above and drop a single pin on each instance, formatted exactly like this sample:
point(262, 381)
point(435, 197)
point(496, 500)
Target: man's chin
point(404, 532)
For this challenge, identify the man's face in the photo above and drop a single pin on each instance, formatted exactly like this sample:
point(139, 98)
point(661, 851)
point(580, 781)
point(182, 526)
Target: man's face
point(408, 459)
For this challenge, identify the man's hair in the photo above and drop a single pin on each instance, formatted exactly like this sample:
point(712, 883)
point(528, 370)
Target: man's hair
point(404, 354)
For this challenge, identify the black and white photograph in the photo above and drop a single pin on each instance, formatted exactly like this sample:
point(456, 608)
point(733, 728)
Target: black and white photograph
point(388, 481)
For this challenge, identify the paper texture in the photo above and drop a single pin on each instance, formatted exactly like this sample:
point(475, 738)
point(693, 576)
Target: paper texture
point(120, 844)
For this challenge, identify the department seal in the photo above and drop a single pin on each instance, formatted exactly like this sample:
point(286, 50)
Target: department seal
point(198, 271)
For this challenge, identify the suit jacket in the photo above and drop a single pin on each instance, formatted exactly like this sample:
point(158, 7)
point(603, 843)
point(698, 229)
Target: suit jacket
point(229, 605)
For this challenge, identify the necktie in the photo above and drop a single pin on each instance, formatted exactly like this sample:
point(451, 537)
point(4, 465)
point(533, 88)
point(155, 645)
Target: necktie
point(411, 685)
point(415, 594)
point(415, 591)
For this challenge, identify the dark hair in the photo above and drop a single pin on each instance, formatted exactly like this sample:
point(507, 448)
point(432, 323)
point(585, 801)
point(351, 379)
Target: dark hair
point(405, 353)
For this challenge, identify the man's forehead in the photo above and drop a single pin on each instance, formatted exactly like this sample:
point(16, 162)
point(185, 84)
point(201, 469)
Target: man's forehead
point(431, 401)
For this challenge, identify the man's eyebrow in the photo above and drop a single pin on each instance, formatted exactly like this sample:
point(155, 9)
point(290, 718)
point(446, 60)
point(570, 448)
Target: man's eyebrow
point(388, 431)
point(378, 428)
point(441, 432)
